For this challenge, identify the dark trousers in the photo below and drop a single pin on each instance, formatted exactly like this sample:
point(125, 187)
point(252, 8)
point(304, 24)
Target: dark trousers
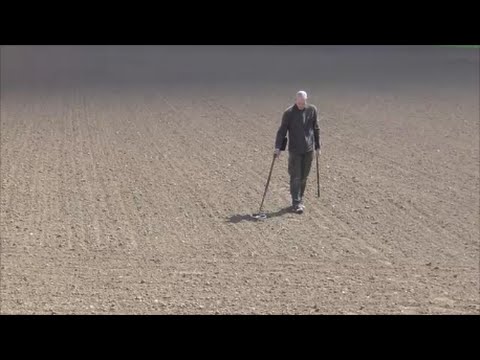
point(299, 167)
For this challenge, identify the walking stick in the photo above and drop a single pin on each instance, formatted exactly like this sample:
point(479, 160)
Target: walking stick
point(318, 180)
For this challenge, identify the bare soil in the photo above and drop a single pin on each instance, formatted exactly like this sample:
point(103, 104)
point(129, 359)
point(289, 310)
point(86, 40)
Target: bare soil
point(128, 175)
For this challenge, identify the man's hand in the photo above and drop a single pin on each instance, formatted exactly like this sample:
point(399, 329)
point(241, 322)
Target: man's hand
point(318, 152)
point(277, 152)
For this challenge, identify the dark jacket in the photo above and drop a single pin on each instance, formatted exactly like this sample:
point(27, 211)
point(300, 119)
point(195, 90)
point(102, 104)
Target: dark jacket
point(302, 127)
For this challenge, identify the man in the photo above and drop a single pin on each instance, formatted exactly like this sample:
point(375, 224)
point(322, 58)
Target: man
point(301, 122)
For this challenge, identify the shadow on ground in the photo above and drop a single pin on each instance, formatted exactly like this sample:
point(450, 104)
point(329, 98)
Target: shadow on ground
point(235, 219)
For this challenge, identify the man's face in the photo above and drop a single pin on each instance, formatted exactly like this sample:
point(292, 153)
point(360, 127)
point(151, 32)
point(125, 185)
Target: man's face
point(300, 101)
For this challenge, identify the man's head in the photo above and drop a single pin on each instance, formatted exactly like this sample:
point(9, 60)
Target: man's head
point(301, 99)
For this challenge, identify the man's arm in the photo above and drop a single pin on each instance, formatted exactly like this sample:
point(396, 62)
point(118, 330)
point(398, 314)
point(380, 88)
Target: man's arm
point(282, 131)
point(316, 130)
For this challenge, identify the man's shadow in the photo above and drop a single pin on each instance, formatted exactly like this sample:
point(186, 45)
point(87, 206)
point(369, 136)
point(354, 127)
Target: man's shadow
point(235, 219)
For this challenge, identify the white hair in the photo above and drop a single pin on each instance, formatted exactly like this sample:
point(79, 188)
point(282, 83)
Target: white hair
point(302, 94)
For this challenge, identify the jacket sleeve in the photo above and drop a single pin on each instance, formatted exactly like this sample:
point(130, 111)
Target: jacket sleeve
point(316, 129)
point(282, 131)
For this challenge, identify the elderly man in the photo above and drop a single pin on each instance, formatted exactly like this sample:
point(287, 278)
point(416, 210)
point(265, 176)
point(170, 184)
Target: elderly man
point(301, 122)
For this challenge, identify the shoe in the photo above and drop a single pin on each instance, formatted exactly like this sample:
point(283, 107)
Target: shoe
point(298, 209)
